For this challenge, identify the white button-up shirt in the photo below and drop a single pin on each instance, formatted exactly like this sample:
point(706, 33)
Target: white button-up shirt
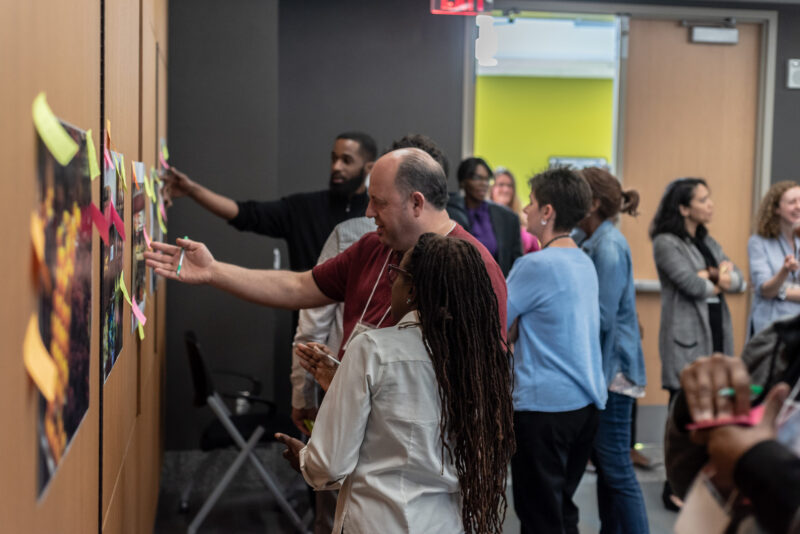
point(377, 437)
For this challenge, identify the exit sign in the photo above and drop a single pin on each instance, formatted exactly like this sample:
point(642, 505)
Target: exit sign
point(460, 7)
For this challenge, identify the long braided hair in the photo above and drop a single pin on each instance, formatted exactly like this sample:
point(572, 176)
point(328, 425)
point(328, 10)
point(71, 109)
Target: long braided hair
point(461, 329)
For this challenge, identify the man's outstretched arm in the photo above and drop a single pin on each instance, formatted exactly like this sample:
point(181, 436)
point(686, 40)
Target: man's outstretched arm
point(277, 289)
point(178, 184)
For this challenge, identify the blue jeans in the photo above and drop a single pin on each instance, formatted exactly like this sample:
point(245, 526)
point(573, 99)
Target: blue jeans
point(619, 497)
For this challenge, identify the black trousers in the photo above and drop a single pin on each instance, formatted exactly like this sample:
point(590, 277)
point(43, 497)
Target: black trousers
point(552, 451)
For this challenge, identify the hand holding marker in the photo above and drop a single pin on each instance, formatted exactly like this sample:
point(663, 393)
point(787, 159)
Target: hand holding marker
point(318, 351)
point(180, 261)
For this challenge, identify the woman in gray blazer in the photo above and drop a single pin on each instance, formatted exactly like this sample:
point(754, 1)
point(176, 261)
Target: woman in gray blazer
point(695, 274)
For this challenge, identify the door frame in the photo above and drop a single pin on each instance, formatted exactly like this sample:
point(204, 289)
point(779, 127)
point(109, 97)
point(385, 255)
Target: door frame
point(766, 83)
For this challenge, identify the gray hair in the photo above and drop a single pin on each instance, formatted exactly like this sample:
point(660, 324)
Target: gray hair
point(418, 171)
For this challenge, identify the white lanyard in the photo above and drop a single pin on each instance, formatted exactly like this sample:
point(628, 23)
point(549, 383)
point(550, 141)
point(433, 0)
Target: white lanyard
point(364, 312)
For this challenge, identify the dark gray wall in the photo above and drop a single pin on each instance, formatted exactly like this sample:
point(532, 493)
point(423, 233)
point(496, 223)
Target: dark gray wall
point(223, 124)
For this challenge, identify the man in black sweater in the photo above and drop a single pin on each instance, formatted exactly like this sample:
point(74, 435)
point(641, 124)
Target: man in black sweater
point(305, 220)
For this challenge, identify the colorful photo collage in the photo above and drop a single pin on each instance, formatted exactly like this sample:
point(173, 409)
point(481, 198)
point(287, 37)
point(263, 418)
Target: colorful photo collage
point(65, 296)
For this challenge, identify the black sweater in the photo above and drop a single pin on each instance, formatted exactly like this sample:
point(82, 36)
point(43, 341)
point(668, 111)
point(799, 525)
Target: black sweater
point(305, 220)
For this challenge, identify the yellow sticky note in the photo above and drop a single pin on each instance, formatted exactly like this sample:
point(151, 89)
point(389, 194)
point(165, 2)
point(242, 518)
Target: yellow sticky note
point(37, 236)
point(141, 331)
point(122, 172)
point(108, 133)
point(147, 188)
point(94, 168)
point(164, 151)
point(55, 137)
point(38, 362)
point(161, 222)
point(124, 289)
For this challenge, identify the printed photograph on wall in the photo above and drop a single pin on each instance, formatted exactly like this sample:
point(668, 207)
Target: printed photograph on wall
point(139, 201)
point(65, 298)
point(154, 228)
point(113, 201)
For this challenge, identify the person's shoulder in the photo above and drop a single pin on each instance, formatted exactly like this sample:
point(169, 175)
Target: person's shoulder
point(666, 239)
point(503, 211)
point(757, 239)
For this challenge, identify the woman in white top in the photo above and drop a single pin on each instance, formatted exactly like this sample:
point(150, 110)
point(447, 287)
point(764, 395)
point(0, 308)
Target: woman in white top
point(416, 427)
point(773, 251)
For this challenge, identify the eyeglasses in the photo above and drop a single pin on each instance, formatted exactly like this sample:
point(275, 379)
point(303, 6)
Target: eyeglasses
point(391, 275)
point(478, 178)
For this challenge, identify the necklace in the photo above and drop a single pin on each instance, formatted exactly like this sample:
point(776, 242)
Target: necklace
point(556, 238)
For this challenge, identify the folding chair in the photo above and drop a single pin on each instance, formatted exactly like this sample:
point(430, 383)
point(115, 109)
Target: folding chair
point(229, 429)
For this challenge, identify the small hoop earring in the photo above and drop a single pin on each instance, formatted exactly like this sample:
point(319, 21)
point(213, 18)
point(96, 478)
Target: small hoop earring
point(544, 222)
point(408, 300)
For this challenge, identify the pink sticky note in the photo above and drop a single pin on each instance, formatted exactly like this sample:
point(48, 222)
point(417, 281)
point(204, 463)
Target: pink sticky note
point(147, 238)
point(100, 222)
point(107, 157)
point(116, 220)
point(163, 161)
point(138, 313)
point(751, 419)
point(163, 211)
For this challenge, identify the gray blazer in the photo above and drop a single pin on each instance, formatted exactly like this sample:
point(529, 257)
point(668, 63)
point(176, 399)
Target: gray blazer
point(685, 333)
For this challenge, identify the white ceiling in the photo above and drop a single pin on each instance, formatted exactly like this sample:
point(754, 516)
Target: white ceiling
point(554, 47)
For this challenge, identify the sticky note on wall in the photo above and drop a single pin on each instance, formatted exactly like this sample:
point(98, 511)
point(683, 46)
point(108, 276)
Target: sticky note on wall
point(55, 137)
point(38, 362)
point(91, 153)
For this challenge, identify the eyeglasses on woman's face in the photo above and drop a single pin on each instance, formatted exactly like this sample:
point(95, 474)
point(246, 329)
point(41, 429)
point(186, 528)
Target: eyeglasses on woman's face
point(393, 272)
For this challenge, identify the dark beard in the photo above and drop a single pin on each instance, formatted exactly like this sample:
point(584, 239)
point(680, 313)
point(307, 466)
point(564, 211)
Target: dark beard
point(348, 187)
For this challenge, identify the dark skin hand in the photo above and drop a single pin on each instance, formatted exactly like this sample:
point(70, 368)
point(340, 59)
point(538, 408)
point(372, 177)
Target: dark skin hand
point(292, 452)
point(701, 382)
point(320, 367)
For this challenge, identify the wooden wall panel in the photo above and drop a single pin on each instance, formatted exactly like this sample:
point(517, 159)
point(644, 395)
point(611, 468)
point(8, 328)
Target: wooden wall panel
point(122, 102)
point(691, 110)
point(40, 52)
point(37, 53)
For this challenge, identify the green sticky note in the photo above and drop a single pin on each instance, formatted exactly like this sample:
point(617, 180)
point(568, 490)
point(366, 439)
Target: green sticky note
point(55, 137)
point(123, 288)
point(94, 168)
point(153, 185)
point(161, 222)
point(164, 151)
point(141, 331)
point(121, 169)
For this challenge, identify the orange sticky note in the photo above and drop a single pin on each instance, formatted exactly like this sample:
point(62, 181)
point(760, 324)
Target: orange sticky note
point(133, 172)
point(38, 362)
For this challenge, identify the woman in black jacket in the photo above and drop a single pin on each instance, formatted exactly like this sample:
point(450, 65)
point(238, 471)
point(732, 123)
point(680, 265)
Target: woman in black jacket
point(495, 226)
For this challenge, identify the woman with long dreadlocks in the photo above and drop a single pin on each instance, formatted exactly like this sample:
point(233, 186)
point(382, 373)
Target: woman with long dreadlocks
point(417, 425)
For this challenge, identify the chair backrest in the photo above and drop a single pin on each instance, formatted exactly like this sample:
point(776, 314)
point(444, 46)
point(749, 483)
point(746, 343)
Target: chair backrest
point(201, 378)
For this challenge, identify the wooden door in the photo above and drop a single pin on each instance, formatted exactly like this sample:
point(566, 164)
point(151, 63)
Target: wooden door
point(690, 110)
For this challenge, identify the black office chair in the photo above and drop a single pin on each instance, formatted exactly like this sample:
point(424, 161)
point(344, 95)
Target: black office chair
point(229, 430)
